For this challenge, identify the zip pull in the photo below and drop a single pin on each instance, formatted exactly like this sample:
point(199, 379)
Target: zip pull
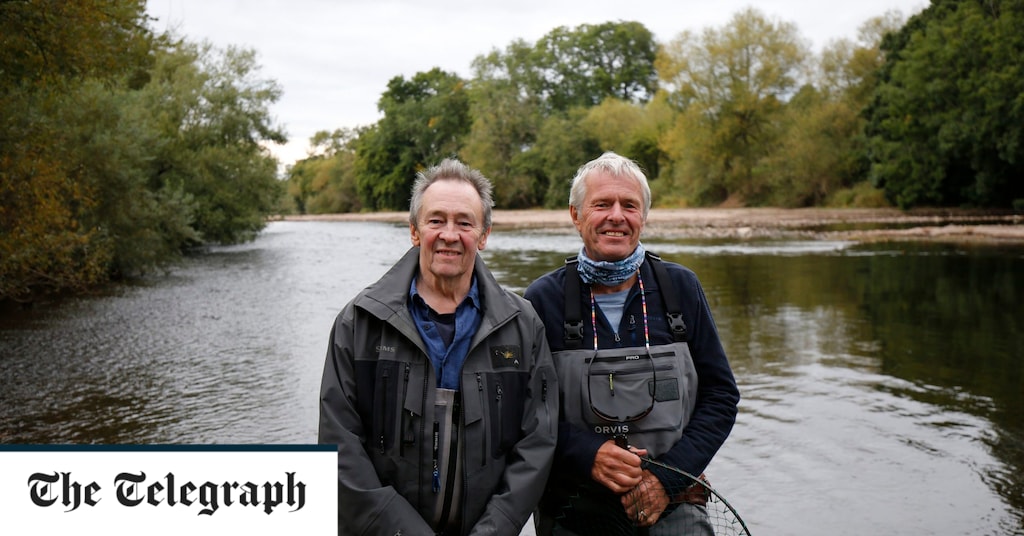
point(617, 339)
point(611, 383)
point(498, 396)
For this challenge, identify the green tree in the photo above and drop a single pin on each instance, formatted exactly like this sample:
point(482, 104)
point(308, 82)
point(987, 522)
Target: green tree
point(562, 145)
point(504, 124)
point(118, 149)
point(107, 142)
point(213, 121)
point(519, 92)
point(849, 69)
point(57, 58)
point(821, 150)
point(583, 66)
point(425, 119)
point(630, 129)
point(47, 42)
point(815, 156)
point(947, 119)
point(731, 85)
point(325, 182)
point(506, 109)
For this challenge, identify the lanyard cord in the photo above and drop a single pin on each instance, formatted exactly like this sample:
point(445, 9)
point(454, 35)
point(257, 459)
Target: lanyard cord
point(643, 303)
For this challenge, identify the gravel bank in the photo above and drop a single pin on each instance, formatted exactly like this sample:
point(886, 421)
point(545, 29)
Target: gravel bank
point(949, 225)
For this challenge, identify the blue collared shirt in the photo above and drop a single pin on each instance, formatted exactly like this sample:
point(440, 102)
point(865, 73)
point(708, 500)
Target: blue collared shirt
point(447, 359)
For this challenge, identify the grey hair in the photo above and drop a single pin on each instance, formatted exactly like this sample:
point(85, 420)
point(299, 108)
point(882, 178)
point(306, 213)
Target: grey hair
point(451, 169)
point(615, 165)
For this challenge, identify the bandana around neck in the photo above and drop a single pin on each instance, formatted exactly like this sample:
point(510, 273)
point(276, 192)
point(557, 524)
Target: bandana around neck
point(608, 273)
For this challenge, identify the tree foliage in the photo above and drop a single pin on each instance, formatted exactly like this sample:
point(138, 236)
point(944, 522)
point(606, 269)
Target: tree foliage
point(505, 125)
point(581, 67)
point(946, 123)
point(730, 86)
point(821, 152)
point(577, 67)
point(425, 119)
point(215, 122)
point(325, 183)
point(518, 93)
point(52, 51)
point(120, 148)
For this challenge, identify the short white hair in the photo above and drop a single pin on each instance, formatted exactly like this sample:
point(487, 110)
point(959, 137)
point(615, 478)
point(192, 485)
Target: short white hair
point(615, 165)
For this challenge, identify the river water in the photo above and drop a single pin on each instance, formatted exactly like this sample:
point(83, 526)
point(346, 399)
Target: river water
point(882, 385)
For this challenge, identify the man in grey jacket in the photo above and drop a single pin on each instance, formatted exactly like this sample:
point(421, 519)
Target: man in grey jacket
point(438, 387)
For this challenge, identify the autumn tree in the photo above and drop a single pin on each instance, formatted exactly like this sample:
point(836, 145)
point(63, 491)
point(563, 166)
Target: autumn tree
point(730, 85)
point(120, 148)
point(821, 152)
point(631, 129)
point(55, 57)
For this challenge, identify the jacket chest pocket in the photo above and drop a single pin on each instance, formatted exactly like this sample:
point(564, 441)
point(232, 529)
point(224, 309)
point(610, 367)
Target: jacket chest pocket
point(494, 409)
point(396, 408)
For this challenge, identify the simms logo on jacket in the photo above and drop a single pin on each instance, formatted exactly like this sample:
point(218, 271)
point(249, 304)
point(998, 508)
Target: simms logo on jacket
point(506, 356)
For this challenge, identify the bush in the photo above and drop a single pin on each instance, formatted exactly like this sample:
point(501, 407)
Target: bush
point(860, 195)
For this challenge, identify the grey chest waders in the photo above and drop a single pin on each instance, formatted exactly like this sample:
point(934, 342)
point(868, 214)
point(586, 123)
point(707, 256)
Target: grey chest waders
point(642, 395)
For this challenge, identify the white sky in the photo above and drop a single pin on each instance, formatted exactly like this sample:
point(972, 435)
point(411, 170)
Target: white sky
point(333, 58)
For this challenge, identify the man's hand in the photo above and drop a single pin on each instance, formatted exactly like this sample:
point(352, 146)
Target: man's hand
point(645, 502)
point(616, 468)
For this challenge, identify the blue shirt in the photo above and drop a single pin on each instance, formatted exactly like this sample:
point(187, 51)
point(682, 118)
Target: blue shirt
point(447, 359)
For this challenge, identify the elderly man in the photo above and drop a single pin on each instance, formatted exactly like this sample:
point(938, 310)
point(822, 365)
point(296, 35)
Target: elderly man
point(439, 388)
point(640, 366)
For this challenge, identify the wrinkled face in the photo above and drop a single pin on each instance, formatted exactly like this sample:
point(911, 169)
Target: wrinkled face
point(611, 217)
point(449, 230)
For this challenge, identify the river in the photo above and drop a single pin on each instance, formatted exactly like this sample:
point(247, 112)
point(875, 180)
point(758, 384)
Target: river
point(882, 385)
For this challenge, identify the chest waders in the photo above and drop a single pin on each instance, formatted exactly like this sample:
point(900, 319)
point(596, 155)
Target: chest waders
point(642, 394)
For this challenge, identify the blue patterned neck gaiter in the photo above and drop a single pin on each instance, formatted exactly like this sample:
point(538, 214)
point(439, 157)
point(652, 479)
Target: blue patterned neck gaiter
point(607, 273)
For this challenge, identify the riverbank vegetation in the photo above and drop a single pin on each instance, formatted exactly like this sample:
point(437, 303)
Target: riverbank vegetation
point(121, 148)
point(923, 112)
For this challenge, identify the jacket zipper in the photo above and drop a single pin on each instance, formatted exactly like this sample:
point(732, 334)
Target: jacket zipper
point(401, 411)
point(483, 405)
point(497, 400)
point(423, 422)
point(384, 411)
point(544, 398)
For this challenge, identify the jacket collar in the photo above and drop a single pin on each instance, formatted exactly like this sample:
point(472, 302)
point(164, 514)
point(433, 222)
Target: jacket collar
point(387, 297)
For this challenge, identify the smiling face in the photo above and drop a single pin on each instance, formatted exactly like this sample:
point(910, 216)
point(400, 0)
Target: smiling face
point(611, 216)
point(449, 230)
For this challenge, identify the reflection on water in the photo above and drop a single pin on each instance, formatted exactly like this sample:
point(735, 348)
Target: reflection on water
point(882, 385)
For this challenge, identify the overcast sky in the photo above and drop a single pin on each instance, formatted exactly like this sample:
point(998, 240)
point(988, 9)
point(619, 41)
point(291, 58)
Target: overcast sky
point(333, 58)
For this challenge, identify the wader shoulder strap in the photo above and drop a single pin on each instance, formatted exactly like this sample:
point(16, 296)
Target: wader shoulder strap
point(573, 315)
point(673, 306)
point(573, 324)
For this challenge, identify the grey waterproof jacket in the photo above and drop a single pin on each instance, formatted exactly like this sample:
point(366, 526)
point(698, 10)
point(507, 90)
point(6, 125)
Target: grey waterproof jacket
point(377, 403)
